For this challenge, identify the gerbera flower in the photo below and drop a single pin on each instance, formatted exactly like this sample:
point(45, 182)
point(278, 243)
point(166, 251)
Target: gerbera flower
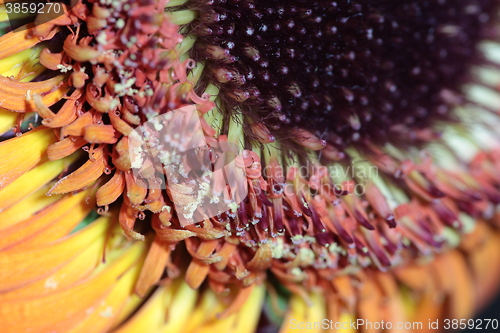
point(362, 134)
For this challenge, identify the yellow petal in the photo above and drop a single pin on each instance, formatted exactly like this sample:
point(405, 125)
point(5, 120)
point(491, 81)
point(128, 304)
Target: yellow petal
point(180, 309)
point(34, 264)
point(7, 120)
point(151, 315)
point(75, 270)
point(346, 318)
point(30, 182)
point(21, 154)
point(44, 314)
point(205, 312)
point(240, 299)
point(49, 224)
point(11, 16)
point(21, 64)
point(300, 313)
point(245, 320)
point(26, 207)
point(168, 310)
point(106, 312)
point(130, 306)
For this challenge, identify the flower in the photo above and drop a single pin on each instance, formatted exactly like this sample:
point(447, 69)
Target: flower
point(371, 191)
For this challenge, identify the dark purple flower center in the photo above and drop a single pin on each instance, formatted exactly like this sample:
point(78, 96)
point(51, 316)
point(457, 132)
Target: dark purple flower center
point(348, 70)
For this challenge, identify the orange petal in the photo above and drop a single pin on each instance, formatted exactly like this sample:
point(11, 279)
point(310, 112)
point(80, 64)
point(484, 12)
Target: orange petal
point(76, 128)
point(345, 291)
point(96, 133)
point(77, 52)
point(127, 220)
point(153, 267)
point(18, 96)
point(487, 266)
point(207, 232)
point(122, 162)
point(262, 133)
point(393, 307)
point(50, 60)
point(78, 79)
point(120, 125)
point(455, 279)
point(174, 235)
point(262, 259)
point(225, 252)
point(85, 175)
point(16, 41)
point(64, 147)
point(66, 114)
point(135, 193)
point(425, 304)
point(109, 192)
point(42, 109)
point(413, 276)
point(197, 270)
point(369, 304)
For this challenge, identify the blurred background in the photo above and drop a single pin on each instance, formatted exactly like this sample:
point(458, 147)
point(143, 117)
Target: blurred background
point(491, 312)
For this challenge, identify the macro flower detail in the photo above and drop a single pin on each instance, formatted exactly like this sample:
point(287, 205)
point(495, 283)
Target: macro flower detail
point(362, 135)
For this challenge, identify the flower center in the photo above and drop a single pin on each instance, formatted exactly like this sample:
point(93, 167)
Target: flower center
point(358, 69)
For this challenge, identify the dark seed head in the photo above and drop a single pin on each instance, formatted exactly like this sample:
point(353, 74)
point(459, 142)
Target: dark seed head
point(361, 69)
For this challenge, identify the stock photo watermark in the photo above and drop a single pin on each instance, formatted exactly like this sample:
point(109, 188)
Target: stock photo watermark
point(25, 14)
point(341, 178)
point(205, 179)
point(364, 324)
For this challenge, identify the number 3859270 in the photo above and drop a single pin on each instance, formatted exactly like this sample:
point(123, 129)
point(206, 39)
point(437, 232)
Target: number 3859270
point(33, 8)
point(476, 324)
